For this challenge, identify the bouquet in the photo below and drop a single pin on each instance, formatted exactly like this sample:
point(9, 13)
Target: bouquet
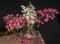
point(30, 16)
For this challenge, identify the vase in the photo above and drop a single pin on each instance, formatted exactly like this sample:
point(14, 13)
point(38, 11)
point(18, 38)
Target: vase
point(33, 36)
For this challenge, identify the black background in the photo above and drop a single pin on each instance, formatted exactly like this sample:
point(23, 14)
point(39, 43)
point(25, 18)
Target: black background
point(50, 31)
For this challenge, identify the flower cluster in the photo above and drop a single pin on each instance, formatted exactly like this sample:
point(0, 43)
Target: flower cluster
point(29, 13)
point(29, 17)
point(46, 14)
point(14, 22)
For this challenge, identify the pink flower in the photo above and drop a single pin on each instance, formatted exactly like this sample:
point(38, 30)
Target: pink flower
point(40, 12)
point(47, 18)
point(8, 17)
point(28, 36)
point(51, 17)
point(45, 10)
point(49, 10)
point(25, 41)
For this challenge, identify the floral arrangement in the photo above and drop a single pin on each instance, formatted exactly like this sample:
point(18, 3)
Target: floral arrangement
point(28, 18)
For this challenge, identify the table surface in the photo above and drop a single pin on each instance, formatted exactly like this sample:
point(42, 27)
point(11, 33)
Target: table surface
point(4, 40)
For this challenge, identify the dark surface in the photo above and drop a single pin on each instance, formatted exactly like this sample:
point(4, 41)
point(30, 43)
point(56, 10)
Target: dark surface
point(50, 31)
